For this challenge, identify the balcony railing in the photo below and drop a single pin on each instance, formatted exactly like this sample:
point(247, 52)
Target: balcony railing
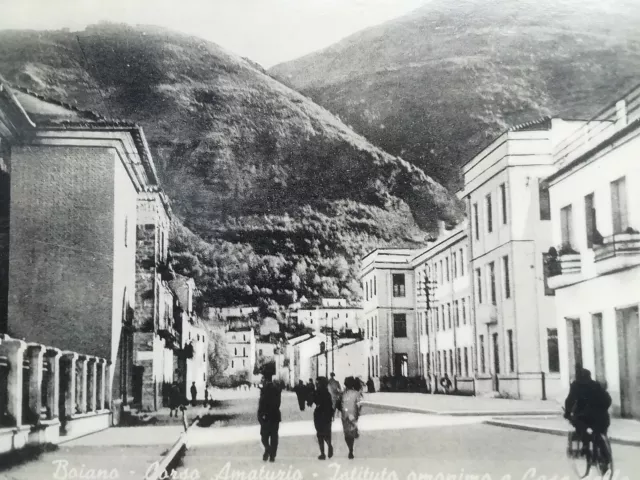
point(601, 127)
point(564, 267)
point(619, 244)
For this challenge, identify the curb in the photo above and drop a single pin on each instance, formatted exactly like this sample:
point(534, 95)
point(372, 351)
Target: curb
point(561, 432)
point(478, 413)
point(168, 461)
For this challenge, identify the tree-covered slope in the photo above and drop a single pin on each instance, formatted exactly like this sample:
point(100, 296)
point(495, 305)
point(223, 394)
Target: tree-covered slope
point(274, 196)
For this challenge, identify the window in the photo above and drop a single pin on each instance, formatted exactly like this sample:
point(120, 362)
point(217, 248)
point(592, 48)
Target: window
point(503, 199)
point(437, 319)
point(458, 362)
point(435, 272)
point(483, 363)
point(371, 287)
point(398, 285)
point(244, 352)
point(506, 276)
point(243, 360)
point(476, 221)
point(492, 282)
point(456, 313)
point(464, 311)
point(598, 348)
point(545, 201)
point(399, 325)
point(461, 262)
point(590, 219)
point(619, 205)
point(441, 272)
point(235, 351)
point(552, 350)
point(489, 213)
point(375, 288)
point(454, 263)
point(126, 230)
point(449, 314)
point(446, 263)
point(232, 363)
point(466, 362)
point(366, 291)
point(260, 352)
point(511, 359)
point(451, 362)
point(496, 354)
point(444, 319)
point(479, 284)
point(368, 328)
point(566, 225)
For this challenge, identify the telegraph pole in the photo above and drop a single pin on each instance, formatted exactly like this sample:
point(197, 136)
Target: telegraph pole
point(333, 363)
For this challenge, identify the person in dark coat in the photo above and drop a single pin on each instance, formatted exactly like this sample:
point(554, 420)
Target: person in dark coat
point(587, 405)
point(371, 388)
point(269, 417)
point(174, 400)
point(194, 393)
point(323, 417)
point(301, 393)
point(311, 389)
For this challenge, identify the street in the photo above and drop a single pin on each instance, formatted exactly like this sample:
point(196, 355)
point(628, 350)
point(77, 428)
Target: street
point(392, 445)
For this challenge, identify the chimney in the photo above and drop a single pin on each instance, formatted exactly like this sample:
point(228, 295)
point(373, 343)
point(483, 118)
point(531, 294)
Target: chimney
point(441, 228)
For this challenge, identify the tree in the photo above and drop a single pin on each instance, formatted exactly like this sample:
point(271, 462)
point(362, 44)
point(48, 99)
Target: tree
point(218, 352)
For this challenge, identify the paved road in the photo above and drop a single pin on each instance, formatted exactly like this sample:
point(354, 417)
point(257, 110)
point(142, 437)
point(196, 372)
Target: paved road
point(409, 446)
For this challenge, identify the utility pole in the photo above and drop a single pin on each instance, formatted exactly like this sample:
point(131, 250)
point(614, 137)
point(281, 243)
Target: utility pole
point(333, 363)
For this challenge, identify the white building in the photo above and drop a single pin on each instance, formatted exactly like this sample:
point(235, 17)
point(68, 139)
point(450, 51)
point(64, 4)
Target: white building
point(509, 232)
point(388, 283)
point(596, 288)
point(333, 313)
point(241, 344)
point(349, 359)
point(445, 324)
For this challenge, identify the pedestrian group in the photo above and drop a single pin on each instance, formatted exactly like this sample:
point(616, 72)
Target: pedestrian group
point(329, 400)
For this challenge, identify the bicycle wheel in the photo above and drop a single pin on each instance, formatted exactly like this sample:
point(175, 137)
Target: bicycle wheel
point(580, 463)
point(604, 456)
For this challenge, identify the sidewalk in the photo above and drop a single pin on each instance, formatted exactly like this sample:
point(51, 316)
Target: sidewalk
point(459, 405)
point(622, 431)
point(128, 450)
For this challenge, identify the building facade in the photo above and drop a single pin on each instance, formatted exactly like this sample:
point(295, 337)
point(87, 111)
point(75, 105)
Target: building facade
point(510, 231)
point(388, 280)
point(445, 325)
point(241, 344)
point(333, 313)
point(595, 265)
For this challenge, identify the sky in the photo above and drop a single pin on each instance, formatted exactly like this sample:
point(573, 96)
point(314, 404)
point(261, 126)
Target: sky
point(266, 31)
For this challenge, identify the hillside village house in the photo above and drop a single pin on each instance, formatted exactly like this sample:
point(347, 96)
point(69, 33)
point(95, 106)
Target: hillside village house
point(241, 344)
point(333, 313)
point(596, 266)
point(445, 326)
point(80, 188)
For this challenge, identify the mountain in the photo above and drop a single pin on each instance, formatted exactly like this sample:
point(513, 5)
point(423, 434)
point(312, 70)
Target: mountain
point(274, 197)
point(436, 85)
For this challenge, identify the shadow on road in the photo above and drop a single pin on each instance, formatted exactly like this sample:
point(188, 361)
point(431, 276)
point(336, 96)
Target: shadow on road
point(215, 419)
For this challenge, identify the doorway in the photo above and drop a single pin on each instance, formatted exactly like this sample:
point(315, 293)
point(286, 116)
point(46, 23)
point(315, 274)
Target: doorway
point(574, 346)
point(401, 367)
point(496, 362)
point(629, 361)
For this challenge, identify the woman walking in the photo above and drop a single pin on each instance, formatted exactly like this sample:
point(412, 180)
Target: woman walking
point(323, 416)
point(350, 406)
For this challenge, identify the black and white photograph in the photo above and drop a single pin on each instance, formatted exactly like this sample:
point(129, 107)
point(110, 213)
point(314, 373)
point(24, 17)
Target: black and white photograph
point(319, 239)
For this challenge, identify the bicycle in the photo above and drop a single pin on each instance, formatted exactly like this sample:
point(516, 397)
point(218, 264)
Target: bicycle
point(597, 453)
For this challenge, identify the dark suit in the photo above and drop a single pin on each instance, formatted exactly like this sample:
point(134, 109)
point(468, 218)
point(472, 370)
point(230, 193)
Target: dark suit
point(269, 417)
point(588, 403)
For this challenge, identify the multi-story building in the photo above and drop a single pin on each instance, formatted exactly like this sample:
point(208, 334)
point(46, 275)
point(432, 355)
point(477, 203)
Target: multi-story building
point(191, 364)
point(75, 178)
point(388, 283)
point(349, 359)
point(445, 324)
point(510, 231)
point(241, 344)
point(595, 264)
point(333, 313)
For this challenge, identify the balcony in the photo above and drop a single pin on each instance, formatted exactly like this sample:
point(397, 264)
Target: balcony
point(170, 336)
point(564, 267)
point(617, 252)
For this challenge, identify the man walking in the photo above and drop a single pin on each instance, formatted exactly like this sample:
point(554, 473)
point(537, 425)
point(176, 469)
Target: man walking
point(269, 417)
point(336, 392)
point(194, 393)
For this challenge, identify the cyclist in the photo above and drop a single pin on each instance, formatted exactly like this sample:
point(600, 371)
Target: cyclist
point(587, 406)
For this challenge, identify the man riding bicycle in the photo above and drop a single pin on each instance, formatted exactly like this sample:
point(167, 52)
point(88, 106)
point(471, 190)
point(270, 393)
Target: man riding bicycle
point(587, 406)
